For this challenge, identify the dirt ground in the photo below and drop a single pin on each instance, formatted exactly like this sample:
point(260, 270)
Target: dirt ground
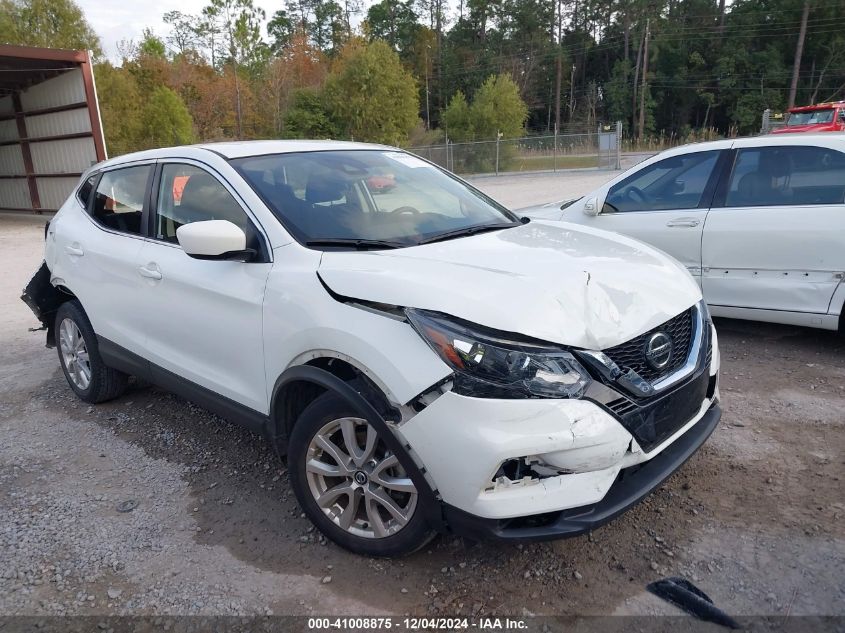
point(755, 519)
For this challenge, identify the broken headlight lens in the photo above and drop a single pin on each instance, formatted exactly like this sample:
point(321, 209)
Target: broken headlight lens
point(489, 365)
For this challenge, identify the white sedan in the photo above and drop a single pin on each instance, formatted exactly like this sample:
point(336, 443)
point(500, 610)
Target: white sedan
point(758, 222)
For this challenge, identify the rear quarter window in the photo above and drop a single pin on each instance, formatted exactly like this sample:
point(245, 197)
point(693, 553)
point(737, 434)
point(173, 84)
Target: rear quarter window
point(83, 194)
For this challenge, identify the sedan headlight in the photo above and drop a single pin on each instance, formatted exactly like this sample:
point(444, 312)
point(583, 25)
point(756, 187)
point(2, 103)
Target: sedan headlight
point(489, 365)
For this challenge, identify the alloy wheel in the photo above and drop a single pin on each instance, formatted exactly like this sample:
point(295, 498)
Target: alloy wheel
point(75, 354)
point(357, 482)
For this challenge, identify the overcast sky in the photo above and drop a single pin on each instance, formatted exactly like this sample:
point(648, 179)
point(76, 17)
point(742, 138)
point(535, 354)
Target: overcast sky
point(114, 20)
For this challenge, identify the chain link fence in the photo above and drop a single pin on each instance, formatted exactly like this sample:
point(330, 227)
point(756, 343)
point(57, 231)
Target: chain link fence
point(597, 150)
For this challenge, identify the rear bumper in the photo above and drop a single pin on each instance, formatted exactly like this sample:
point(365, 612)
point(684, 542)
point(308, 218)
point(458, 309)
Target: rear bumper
point(630, 487)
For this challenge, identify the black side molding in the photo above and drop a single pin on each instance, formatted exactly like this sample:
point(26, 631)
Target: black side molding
point(121, 358)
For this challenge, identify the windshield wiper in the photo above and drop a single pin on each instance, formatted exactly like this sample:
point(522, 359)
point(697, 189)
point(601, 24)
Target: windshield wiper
point(469, 230)
point(356, 243)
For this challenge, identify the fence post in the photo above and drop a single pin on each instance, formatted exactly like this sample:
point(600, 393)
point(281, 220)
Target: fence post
point(554, 152)
point(498, 136)
point(619, 145)
point(598, 146)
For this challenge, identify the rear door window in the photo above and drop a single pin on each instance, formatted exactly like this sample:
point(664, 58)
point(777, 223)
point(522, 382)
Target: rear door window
point(119, 199)
point(787, 175)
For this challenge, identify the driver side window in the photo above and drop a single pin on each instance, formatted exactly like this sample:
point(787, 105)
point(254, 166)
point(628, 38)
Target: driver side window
point(189, 194)
point(673, 183)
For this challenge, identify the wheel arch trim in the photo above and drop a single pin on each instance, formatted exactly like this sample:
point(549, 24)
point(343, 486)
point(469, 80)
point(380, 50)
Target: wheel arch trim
point(431, 505)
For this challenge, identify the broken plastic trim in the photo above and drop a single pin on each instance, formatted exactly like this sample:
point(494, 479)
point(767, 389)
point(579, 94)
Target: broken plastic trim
point(525, 471)
point(431, 394)
point(687, 597)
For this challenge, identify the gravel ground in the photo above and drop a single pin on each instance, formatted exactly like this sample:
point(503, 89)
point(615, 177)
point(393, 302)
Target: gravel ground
point(755, 518)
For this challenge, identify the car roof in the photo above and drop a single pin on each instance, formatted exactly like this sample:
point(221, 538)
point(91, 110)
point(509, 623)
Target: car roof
point(240, 149)
point(763, 139)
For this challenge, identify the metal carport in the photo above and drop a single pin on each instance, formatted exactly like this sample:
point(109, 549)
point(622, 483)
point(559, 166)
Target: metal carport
point(50, 129)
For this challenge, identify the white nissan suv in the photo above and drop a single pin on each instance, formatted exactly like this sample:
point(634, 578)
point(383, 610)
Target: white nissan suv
point(426, 360)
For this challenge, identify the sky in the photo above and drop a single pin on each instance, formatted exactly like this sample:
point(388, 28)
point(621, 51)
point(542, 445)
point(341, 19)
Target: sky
point(115, 20)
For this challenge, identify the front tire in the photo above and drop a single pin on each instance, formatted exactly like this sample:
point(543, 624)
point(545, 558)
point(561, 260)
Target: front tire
point(349, 483)
point(79, 356)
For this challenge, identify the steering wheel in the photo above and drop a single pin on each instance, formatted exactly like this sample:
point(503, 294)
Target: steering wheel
point(637, 195)
point(405, 211)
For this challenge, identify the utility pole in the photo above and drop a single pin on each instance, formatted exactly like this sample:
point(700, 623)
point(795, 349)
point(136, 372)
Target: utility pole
point(427, 110)
point(559, 72)
point(572, 93)
point(644, 83)
point(799, 51)
point(634, 84)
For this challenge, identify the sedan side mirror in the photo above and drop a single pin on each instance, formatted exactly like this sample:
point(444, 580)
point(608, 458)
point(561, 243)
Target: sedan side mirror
point(214, 239)
point(594, 204)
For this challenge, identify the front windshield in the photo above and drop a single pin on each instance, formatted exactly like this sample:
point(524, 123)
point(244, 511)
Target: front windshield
point(367, 195)
point(810, 118)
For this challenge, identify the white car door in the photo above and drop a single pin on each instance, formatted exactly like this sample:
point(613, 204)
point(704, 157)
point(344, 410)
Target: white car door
point(206, 325)
point(663, 203)
point(96, 253)
point(775, 238)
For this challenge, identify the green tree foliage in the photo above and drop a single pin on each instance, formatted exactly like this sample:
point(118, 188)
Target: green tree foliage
point(457, 118)
point(395, 22)
point(120, 108)
point(165, 120)
point(46, 23)
point(281, 29)
point(696, 68)
point(371, 95)
point(308, 116)
point(498, 108)
point(152, 45)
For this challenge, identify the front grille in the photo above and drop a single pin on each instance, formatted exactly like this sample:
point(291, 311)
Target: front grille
point(631, 355)
point(655, 421)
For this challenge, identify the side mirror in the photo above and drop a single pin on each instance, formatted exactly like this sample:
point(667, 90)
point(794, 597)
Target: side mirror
point(593, 205)
point(214, 239)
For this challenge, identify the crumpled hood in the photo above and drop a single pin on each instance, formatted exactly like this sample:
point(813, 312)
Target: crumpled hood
point(556, 282)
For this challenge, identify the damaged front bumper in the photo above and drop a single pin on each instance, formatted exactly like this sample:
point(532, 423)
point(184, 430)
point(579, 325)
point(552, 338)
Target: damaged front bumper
point(630, 486)
point(530, 469)
point(44, 300)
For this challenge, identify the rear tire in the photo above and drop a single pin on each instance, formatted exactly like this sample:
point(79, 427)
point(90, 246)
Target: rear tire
point(349, 483)
point(79, 356)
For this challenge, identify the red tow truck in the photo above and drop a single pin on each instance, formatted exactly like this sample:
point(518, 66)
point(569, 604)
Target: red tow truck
point(822, 117)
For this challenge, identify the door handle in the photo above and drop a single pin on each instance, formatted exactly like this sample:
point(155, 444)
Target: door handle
point(682, 223)
point(149, 273)
point(74, 250)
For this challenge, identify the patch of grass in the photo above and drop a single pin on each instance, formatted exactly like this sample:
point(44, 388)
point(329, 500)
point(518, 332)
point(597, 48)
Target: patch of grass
point(547, 163)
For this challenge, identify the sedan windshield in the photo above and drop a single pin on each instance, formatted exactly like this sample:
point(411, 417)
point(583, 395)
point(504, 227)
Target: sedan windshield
point(369, 198)
point(810, 118)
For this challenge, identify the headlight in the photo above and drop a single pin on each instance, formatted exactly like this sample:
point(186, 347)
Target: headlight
point(487, 365)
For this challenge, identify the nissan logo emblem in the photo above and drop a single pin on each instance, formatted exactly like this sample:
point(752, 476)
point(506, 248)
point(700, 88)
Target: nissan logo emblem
point(658, 350)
